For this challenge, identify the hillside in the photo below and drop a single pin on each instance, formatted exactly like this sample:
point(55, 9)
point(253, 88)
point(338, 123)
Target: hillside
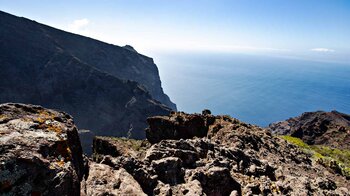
point(108, 89)
point(317, 128)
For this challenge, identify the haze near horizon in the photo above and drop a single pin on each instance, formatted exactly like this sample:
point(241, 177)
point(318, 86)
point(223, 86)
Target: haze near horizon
point(313, 30)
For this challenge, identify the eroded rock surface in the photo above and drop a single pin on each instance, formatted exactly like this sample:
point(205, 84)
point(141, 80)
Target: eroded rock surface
point(41, 155)
point(178, 125)
point(104, 180)
point(40, 152)
point(202, 154)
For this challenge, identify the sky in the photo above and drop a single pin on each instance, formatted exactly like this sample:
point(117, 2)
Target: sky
point(313, 29)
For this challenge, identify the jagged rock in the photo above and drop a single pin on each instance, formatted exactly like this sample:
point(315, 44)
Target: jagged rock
point(326, 184)
point(169, 170)
point(172, 148)
point(163, 190)
point(40, 152)
point(177, 126)
point(192, 187)
point(217, 181)
point(233, 158)
point(141, 172)
point(104, 180)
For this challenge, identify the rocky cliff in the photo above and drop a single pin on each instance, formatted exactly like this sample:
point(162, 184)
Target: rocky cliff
point(220, 155)
point(108, 89)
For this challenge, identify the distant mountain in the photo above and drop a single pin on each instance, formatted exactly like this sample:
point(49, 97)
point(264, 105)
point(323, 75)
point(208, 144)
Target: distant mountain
point(107, 88)
point(317, 128)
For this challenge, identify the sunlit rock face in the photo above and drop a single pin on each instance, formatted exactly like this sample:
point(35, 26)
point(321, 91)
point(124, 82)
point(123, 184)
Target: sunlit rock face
point(203, 154)
point(40, 152)
point(41, 155)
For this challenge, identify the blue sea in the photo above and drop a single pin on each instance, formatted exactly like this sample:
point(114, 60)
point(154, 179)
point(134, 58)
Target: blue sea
point(255, 89)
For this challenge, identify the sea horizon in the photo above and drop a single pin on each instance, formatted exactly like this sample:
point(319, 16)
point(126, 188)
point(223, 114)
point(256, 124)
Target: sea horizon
point(253, 88)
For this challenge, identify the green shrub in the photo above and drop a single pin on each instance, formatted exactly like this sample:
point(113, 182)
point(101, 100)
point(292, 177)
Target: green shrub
point(336, 159)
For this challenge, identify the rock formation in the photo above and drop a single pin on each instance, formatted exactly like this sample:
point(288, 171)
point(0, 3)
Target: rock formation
point(108, 89)
point(219, 155)
point(41, 155)
point(40, 152)
point(317, 128)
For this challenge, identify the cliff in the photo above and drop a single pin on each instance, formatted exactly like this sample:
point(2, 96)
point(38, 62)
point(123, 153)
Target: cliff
point(107, 88)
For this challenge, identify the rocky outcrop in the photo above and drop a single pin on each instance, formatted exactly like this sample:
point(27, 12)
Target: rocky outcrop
point(104, 180)
point(178, 125)
point(219, 155)
point(317, 128)
point(41, 155)
point(108, 89)
point(40, 152)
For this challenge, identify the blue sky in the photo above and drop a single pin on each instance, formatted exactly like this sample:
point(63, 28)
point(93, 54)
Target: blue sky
point(294, 28)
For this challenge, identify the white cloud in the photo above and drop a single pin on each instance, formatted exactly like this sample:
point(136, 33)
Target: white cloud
point(322, 50)
point(78, 25)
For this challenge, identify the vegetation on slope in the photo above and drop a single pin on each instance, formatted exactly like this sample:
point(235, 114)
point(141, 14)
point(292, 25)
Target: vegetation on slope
point(336, 159)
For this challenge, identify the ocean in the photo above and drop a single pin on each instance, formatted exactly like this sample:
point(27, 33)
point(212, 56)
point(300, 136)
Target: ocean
point(255, 89)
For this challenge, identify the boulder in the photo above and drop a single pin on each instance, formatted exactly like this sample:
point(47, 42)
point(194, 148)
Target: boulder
point(181, 149)
point(104, 180)
point(169, 170)
point(40, 152)
point(178, 125)
point(217, 181)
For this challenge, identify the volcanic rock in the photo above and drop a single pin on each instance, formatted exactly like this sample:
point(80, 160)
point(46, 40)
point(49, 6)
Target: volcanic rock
point(104, 180)
point(317, 128)
point(41, 155)
point(40, 152)
point(178, 125)
point(220, 155)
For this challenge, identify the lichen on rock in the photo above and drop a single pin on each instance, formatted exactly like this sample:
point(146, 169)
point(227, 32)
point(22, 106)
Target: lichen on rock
point(40, 152)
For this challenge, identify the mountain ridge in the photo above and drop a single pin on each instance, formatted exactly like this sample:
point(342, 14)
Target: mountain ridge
point(75, 43)
point(39, 66)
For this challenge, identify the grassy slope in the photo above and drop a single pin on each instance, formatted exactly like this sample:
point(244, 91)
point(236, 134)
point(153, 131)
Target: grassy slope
point(335, 159)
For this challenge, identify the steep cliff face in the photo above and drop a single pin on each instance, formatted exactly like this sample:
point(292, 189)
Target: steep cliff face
point(79, 75)
point(122, 62)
